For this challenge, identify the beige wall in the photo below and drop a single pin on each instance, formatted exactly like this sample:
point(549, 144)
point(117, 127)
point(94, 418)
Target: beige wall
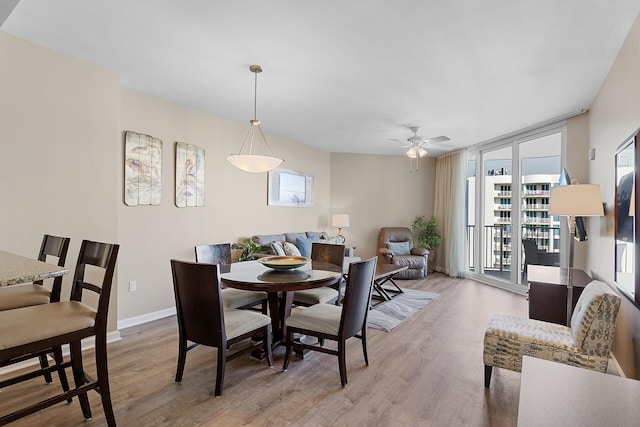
point(379, 191)
point(59, 121)
point(614, 115)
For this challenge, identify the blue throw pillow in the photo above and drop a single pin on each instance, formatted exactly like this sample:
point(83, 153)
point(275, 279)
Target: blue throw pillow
point(304, 245)
point(399, 248)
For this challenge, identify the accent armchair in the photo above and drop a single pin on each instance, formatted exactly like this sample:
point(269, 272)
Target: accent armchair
point(585, 344)
point(396, 246)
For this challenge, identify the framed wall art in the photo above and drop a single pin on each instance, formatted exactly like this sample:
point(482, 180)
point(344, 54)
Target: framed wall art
point(289, 188)
point(189, 175)
point(142, 169)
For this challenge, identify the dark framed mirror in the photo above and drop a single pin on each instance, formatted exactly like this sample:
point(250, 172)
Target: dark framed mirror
point(626, 275)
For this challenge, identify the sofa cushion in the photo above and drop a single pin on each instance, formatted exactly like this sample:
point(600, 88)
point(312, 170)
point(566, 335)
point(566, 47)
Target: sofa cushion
point(332, 241)
point(304, 245)
point(291, 249)
point(291, 237)
point(400, 248)
point(266, 239)
point(318, 235)
point(278, 248)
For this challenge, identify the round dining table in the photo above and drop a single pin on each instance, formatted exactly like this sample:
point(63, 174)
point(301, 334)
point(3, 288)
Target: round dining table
point(279, 285)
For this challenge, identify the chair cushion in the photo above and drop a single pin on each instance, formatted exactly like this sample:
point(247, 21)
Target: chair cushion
point(593, 322)
point(236, 298)
point(399, 248)
point(411, 261)
point(18, 296)
point(239, 322)
point(313, 296)
point(304, 245)
point(324, 318)
point(39, 322)
point(291, 249)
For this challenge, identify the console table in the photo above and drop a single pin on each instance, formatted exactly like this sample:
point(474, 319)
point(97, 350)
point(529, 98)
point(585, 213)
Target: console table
point(554, 394)
point(548, 291)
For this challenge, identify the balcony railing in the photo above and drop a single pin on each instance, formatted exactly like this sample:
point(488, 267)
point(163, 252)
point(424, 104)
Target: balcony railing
point(499, 247)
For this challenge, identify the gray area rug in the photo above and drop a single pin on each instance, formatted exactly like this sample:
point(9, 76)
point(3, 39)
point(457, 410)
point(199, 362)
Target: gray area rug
point(390, 314)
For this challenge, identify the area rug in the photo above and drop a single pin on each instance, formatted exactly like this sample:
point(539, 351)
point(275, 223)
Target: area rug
point(390, 314)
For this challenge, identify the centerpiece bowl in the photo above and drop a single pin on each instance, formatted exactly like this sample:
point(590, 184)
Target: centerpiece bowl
point(283, 262)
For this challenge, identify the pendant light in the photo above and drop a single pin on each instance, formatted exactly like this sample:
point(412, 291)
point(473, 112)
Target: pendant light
point(254, 163)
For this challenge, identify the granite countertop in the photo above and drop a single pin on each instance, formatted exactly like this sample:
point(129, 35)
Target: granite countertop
point(15, 269)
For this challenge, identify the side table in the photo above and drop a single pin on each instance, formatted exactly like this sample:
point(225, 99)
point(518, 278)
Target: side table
point(548, 291)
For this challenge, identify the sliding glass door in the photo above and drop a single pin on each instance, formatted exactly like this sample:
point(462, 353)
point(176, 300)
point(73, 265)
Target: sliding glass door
point(508, 185)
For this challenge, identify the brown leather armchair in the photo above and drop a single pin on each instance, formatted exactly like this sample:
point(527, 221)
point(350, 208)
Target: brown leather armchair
point(395, 246)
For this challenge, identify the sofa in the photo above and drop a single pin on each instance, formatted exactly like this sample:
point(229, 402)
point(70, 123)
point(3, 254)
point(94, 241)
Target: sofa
point(318, 236)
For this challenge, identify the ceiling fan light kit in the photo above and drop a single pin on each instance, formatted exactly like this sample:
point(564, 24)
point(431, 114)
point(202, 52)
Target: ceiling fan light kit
point(254, 163)
point(417, 145)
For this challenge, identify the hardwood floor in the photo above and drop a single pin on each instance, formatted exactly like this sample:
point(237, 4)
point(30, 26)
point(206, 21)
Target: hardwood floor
point(428, 371)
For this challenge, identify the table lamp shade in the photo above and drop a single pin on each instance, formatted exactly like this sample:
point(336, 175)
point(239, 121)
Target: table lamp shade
point(340, 220)
point(576, 200)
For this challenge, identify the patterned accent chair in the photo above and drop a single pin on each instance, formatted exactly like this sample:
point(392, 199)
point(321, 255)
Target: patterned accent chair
point(585, 344)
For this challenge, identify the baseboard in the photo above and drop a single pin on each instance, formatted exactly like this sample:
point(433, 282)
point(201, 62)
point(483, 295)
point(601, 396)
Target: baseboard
point(87, 343)
point(145, 318)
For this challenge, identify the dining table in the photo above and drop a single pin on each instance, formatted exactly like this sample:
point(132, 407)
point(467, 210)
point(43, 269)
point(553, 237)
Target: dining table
point(279, 285)
point(16, 269)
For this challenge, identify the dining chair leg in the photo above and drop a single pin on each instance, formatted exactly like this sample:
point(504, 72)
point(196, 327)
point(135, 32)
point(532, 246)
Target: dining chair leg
point(62, 375)
point(44, 363)
point(79, 378)
point(222, 360)
point(103, 379)
point(267, 344)
point(342, 364)
point(363, 338)
point(287, 355)
point(182, 355)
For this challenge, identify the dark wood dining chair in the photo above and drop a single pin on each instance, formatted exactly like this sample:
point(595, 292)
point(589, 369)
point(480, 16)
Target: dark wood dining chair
point(36, 330)
point(231, 298)
point(332, 254)
point(18, 296)
point(330, 322)
point(202, 318)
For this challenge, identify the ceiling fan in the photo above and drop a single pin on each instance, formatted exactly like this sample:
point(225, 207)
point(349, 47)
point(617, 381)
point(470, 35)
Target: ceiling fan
point(417, 145)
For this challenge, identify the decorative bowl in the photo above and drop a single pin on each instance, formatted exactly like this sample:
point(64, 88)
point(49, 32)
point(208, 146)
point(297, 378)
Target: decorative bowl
point(283, 262)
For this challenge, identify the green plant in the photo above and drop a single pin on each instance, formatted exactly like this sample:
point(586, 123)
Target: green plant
point(427, 232)
point(249, 249)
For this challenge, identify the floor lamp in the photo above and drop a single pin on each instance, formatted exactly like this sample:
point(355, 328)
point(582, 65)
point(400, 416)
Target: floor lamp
point(573, 201)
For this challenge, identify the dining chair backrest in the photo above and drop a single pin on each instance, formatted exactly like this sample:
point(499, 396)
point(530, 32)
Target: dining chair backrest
point(324, 252)
point(214, 254)
point(355, 305)
point(57, 247)
point(199, 308)
point(102, 256)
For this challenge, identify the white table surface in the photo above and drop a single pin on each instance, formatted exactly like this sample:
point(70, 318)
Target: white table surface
point(15, 269)
point(555, 394)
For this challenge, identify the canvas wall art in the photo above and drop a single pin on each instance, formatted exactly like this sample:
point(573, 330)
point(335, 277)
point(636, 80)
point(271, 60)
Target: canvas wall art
point(142, 169)
point(189, 175)
point(290, 188)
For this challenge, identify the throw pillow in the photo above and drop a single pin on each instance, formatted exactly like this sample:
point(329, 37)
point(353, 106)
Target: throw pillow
point(399, 248)
point(304, 245)
point(277, 248)
point(291, 249)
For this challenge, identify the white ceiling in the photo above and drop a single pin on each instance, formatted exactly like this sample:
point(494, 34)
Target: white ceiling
point(348, 76)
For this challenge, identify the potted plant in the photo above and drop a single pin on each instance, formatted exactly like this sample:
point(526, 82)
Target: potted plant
point(428, 236)
point(249, 249)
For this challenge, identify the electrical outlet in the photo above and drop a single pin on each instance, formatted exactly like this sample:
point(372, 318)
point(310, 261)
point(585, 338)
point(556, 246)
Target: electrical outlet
point(133, 286)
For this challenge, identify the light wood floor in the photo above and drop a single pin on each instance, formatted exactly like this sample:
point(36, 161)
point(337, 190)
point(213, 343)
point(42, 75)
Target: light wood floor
point(428, 371)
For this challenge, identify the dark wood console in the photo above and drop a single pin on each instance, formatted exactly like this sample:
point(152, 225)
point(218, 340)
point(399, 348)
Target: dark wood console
point(548, 292)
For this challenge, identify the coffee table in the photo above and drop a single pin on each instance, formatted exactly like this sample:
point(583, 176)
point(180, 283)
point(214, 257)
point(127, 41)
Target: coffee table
point(384, 276)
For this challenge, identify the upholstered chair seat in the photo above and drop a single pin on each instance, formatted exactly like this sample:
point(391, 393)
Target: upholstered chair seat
point(585, 344)
point(26, 295)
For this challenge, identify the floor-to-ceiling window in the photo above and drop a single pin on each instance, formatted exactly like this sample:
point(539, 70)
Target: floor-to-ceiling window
point(508, 187)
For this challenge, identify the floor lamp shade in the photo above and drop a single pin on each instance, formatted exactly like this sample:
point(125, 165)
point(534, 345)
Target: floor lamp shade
point(576, 200)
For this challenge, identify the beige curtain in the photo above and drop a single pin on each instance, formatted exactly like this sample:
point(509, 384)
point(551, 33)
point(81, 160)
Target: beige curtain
point(449, 209)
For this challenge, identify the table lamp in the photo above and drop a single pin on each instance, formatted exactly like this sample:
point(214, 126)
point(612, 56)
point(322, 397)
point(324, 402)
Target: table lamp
point(573, 201)
point(340, 221)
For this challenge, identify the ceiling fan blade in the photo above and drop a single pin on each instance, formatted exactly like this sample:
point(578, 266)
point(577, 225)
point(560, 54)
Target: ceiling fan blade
point(437, 139)
point(397, 140)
